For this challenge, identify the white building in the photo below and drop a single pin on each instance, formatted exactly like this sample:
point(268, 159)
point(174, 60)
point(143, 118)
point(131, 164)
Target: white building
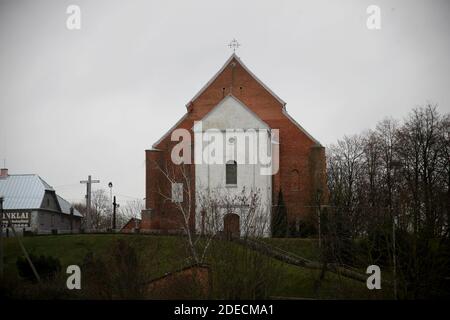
point(32, 205)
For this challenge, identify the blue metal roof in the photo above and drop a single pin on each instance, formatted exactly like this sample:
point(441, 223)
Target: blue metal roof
point(65, 207)
point(26, 191)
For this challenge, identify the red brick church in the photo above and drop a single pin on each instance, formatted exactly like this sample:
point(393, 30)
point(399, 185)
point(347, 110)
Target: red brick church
point(236, 97)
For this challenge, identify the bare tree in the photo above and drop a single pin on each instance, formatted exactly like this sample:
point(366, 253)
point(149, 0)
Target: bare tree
point(202, 211)
point(130, 210)
point(178, 191)
point(393, 183)
point(100, 210)
point(345, 168)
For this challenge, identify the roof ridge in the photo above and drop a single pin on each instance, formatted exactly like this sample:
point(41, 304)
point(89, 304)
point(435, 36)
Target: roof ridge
point(238, 59)
point(45, 184)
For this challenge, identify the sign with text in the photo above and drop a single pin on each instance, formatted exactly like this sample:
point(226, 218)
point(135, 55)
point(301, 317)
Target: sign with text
point(18, 219)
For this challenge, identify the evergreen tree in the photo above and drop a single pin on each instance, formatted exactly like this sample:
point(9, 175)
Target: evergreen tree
point(279, 218)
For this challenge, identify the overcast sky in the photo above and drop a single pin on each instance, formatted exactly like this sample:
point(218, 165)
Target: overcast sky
point(90, 101)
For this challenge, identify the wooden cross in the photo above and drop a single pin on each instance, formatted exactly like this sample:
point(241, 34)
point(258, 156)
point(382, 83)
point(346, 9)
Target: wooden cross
point(88, 183)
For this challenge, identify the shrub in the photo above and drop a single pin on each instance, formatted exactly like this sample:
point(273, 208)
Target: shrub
point(241, 273)
point(46, 266)
point(119, 275)
point(279, 218)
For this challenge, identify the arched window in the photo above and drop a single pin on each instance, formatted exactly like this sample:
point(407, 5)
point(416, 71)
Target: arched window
point(231, 172)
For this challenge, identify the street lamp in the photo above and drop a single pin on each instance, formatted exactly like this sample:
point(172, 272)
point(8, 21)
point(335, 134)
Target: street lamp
point(110, 185)
point(115, 206)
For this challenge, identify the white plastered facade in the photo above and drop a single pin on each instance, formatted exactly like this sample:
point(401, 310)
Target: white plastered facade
point(246, 139)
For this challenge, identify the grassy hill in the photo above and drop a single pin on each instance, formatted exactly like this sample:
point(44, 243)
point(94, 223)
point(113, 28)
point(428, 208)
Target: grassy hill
point(237, 272)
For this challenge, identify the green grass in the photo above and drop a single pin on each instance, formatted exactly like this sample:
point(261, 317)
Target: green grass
point(299, 282)
point(306, 248)
point(166, 252)
point(169, 253)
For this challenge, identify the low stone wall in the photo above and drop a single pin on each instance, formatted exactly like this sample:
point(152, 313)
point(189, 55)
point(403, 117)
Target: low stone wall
point(187, 283)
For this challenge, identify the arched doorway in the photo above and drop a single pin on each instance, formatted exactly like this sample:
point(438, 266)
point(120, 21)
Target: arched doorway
point(231, 227)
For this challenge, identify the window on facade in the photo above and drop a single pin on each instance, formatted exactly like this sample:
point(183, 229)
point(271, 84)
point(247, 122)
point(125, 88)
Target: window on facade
point(231, 172)
point(177, 192)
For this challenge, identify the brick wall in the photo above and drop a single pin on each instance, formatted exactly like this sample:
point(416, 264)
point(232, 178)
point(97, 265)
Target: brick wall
point(302, 161)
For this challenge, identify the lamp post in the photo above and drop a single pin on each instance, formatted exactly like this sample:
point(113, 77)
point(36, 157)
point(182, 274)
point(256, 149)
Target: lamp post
point(110, 186)
point(115, 206)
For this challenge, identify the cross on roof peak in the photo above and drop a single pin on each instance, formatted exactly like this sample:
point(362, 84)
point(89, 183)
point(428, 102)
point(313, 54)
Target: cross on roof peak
point(234, 44)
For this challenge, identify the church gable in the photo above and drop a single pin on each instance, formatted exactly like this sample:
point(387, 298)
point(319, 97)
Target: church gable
point(235, 79)
point(231, 113)
point(231, 63)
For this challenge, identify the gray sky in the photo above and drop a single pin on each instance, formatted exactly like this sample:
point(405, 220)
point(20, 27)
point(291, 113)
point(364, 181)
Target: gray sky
point(90, 101)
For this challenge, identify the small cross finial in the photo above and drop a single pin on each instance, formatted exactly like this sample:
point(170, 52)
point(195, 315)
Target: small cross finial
point(234, 45)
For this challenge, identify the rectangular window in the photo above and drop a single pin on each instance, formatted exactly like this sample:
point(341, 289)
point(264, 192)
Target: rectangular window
point(177, 192)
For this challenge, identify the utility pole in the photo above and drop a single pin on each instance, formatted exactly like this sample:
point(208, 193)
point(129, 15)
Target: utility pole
point(394, 258)
point(1, 237)
point(88, 183)
point(24, 251)
point(18, 239)
point(115, 206)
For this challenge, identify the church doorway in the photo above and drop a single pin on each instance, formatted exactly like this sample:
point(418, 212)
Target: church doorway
point(231, 226)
